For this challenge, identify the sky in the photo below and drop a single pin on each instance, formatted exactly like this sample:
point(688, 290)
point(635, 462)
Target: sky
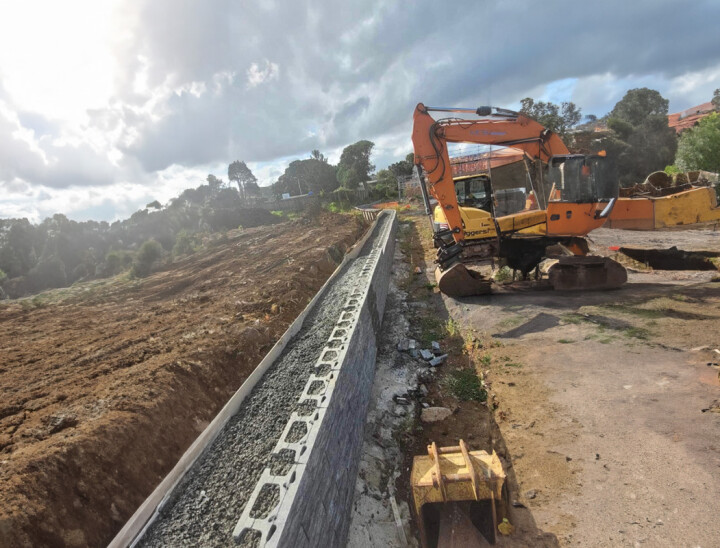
point(107, 105)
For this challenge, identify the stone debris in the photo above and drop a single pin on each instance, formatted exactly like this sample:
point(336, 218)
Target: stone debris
point(436, 348)
point(435, 414)
point(438, 360)
point(407, 345)
point(426, 355)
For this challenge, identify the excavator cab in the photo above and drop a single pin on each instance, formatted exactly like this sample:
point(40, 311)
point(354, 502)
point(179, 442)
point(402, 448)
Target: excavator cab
point(582, 179)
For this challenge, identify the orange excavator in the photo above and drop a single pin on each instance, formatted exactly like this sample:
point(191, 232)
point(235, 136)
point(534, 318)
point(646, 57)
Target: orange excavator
point(577, 194)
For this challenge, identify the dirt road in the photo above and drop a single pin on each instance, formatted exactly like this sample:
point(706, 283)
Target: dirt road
point(606, 409)
point(104, 385)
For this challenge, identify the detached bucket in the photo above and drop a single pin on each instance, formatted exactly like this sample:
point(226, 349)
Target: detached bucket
point(458, 281)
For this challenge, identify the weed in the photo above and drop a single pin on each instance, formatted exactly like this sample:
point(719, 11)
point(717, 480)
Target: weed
point(605, 340)
point(278, 213)
point(486, 359)
point(452, 328)
point(566, 341)
point(465, 385)
point(430, 286)
point(513, 364)
point(504, 274)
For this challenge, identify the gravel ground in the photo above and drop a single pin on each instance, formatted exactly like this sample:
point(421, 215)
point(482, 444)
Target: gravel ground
point(213, 495)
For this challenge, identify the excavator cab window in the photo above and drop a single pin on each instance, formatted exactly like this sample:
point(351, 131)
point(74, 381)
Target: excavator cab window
point(474, 192)
point(582, 179)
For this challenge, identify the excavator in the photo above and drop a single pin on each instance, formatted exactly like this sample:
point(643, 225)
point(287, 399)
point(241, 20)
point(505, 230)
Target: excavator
point(575, 194)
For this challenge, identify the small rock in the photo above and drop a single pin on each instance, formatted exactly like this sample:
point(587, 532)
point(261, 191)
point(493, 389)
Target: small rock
point(426, 355)
point(425, 405)
point(418, 270)
point(401, 400)
point(423, 390)
point(436, 348)
point(438, 361)
point(403, 345)
point(412, 344)
point(414, 353)
point(435, 414)
point(531, 494)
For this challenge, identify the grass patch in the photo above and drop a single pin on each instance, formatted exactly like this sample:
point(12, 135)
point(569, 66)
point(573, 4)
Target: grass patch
point(636, 333)
point(430, 329)
point(486, 360)
point(573, 318)
point(512, 364)
point(512, 321)
point(635, 311)
point(465, 385)
point(566, 341)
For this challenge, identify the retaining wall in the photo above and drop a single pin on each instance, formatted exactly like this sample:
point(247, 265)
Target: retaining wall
point(317, 492)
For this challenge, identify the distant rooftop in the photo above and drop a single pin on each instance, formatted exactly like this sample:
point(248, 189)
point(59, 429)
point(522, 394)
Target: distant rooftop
point(680, 121)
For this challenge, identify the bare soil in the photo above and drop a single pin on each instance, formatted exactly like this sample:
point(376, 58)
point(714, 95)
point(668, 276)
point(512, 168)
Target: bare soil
point(104, 385)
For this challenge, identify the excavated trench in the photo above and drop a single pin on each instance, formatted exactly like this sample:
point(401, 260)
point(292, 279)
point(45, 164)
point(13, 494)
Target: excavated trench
point(674, 258)
point(205, 507)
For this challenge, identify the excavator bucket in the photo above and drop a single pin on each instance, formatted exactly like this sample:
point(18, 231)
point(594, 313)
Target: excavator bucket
point(459, 496)
point(459, 281)
point(577, 273)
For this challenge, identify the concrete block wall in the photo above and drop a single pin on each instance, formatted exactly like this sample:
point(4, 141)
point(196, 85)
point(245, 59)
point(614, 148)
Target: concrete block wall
point(320, 511)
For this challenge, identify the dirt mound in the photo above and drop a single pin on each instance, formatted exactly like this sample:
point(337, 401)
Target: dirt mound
point(106, 384)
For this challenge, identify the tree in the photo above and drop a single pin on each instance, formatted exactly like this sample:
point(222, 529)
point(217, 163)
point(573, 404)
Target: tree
point(699, 147)
point(355, 166)
point(716, 99)
point(638, 105)
point(214, 183)
point(240, 173)
point(559, 119)
point(149, 252)
point(386, 186)
point(646, 143)
point(403, 168)
point(155, 205)
point(310, 175)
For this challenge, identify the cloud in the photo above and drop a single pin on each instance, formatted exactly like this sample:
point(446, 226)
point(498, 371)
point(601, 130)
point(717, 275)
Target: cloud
point(185, 86)
point(257, 75)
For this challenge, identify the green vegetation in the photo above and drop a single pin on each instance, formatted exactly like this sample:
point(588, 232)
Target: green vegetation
point(642, 141)
point(465, 385)
point(636, 333)
point(699, 147)
point(149, 252)
point(566, 341)
point(431, 329)
point(558, 118)
point(486, 360)
point(504, 274)
point(452, 328)
point(355, 166)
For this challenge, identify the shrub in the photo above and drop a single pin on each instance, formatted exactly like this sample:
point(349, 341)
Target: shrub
point(149, 252)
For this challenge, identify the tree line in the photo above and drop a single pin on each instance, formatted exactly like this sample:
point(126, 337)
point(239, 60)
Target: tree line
point(59, 251)
point(637, 134)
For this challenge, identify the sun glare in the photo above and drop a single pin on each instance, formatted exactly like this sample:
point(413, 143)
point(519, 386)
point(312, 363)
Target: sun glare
point(56, 57)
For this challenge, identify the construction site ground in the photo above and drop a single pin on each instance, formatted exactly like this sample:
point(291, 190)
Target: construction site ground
point(603, 406)
point(105, 384)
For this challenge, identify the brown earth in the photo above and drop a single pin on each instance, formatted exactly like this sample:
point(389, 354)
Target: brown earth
point(105, 384)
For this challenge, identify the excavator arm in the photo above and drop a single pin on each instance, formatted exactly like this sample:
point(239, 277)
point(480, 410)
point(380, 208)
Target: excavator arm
point(497, 127)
